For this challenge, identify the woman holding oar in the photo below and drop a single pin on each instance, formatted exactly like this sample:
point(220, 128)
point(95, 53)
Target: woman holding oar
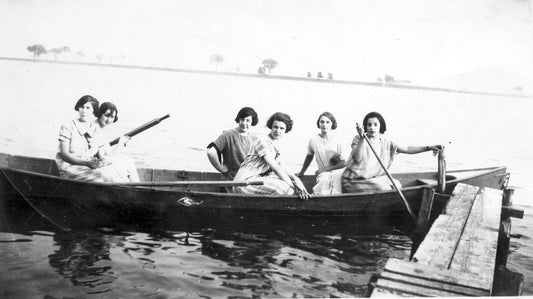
point(82, 152)
point(115, 164)
point(364, 171)
point(263, 163)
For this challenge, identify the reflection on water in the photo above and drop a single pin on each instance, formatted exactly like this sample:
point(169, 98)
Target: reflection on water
point(83, 258)
point(283, 259)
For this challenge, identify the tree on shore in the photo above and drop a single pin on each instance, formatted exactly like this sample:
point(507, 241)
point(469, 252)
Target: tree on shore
point(216, 59)
point(37, 50)
point(269, 64)
point(57, 51)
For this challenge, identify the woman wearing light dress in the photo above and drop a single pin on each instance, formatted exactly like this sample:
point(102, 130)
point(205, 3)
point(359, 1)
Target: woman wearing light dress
point(329, 157)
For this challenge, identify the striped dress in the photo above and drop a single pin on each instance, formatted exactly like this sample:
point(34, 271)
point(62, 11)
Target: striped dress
point(84, 143)
point(255, 168)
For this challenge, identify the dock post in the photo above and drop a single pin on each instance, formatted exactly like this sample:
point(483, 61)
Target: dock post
point(505, 229)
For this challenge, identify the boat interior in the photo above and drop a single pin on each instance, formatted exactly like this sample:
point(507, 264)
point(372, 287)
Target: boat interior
point(49, 167)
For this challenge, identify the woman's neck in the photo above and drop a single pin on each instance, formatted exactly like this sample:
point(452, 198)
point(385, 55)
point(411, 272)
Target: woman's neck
point(324, 135)
point(241, 131)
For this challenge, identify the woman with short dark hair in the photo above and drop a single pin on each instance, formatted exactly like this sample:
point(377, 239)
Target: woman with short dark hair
point(76, 155)
point(263, 163)
point(364, 172)
point(228, 151)
point(114, 164)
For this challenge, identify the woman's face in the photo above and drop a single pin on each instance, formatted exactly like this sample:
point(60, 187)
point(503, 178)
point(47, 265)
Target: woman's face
point(245, 123)
point(325, 124)
point(107, 118)
point(372, 127)
point(278, 129)
point(86, 112)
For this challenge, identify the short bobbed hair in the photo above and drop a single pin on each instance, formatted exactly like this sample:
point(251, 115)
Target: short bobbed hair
point(245, 112)
point(331, 118)
point(87, 99)
point(107, 106)
point(382, 124)
point(283, 117)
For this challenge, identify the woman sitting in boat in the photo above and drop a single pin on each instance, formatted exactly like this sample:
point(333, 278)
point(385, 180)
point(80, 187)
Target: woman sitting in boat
point(115, 164)
point(79, 145)
point(263, 163)
point(364, 172)
point(329, 157)
point(233, 145)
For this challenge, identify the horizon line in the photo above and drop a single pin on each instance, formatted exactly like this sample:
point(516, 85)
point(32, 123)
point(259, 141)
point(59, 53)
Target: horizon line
point(265, 76)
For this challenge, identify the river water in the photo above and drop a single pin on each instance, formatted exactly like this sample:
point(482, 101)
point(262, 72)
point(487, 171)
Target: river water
point(259, 259)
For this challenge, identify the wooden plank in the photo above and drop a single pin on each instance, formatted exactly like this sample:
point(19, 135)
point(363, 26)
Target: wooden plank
point(417, 270)
point(410, 289)
point(510, 211)
point(440, 243)
point(476, 251)
point(434, 284)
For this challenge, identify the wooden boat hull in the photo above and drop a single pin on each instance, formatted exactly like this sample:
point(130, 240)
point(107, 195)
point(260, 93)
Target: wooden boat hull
point(101, 204)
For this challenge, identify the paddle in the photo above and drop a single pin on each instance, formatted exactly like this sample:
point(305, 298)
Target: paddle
point(140, 129)
point(392, 181)
point(189, 183)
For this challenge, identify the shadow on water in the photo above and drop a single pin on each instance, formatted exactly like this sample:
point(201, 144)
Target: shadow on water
point(257, 256)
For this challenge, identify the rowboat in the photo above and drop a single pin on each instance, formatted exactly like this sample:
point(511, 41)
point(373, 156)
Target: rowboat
point(168, 196)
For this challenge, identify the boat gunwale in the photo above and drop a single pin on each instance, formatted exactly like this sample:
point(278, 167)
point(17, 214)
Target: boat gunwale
point(485, 171)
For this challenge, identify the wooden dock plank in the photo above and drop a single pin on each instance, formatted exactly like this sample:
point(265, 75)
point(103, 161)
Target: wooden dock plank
point(458, 256)
point(476, 251)
point(424, 271)
point(440, 244)
point(433, 284)
point(404, 289)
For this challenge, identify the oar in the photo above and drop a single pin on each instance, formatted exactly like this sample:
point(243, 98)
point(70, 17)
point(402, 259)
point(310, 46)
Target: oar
point(392, 181)
point(138, 130)
point(189, 183)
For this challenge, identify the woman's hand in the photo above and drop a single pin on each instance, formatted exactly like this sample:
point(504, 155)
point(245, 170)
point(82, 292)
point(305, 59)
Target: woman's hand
point(360, 130)
point(123, 141)
point(93, 163)
point(435, 148)
point(300, 190)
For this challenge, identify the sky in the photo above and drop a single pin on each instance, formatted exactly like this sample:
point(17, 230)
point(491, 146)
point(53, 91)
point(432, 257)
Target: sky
point(473, 44)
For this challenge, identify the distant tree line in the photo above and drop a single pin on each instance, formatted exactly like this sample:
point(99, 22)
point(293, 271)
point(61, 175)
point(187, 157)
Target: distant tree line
point(39, 50)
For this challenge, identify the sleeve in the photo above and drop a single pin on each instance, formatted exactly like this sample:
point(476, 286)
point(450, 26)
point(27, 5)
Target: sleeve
point(264, 148)
point(65, 132)
point(221, 142)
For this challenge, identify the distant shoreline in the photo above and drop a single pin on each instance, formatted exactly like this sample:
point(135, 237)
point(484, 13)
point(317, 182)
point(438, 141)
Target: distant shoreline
point(264, 76)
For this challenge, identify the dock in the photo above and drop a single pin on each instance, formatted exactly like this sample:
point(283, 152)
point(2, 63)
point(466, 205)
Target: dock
point(461, 253)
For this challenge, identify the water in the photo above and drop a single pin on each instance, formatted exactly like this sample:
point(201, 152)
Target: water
point(279, 259)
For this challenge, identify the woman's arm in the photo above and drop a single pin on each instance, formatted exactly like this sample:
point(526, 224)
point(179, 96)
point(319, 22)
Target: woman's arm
point(339, 165)
point(357, 153)
point(68, 157)
point(212, 155)
point(289, 178)
point(420, 149)
point(307, 162)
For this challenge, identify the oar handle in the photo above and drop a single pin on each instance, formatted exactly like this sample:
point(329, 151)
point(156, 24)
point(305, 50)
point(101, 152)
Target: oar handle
point(392, 181)
point(190, 183)
point(441, 170)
